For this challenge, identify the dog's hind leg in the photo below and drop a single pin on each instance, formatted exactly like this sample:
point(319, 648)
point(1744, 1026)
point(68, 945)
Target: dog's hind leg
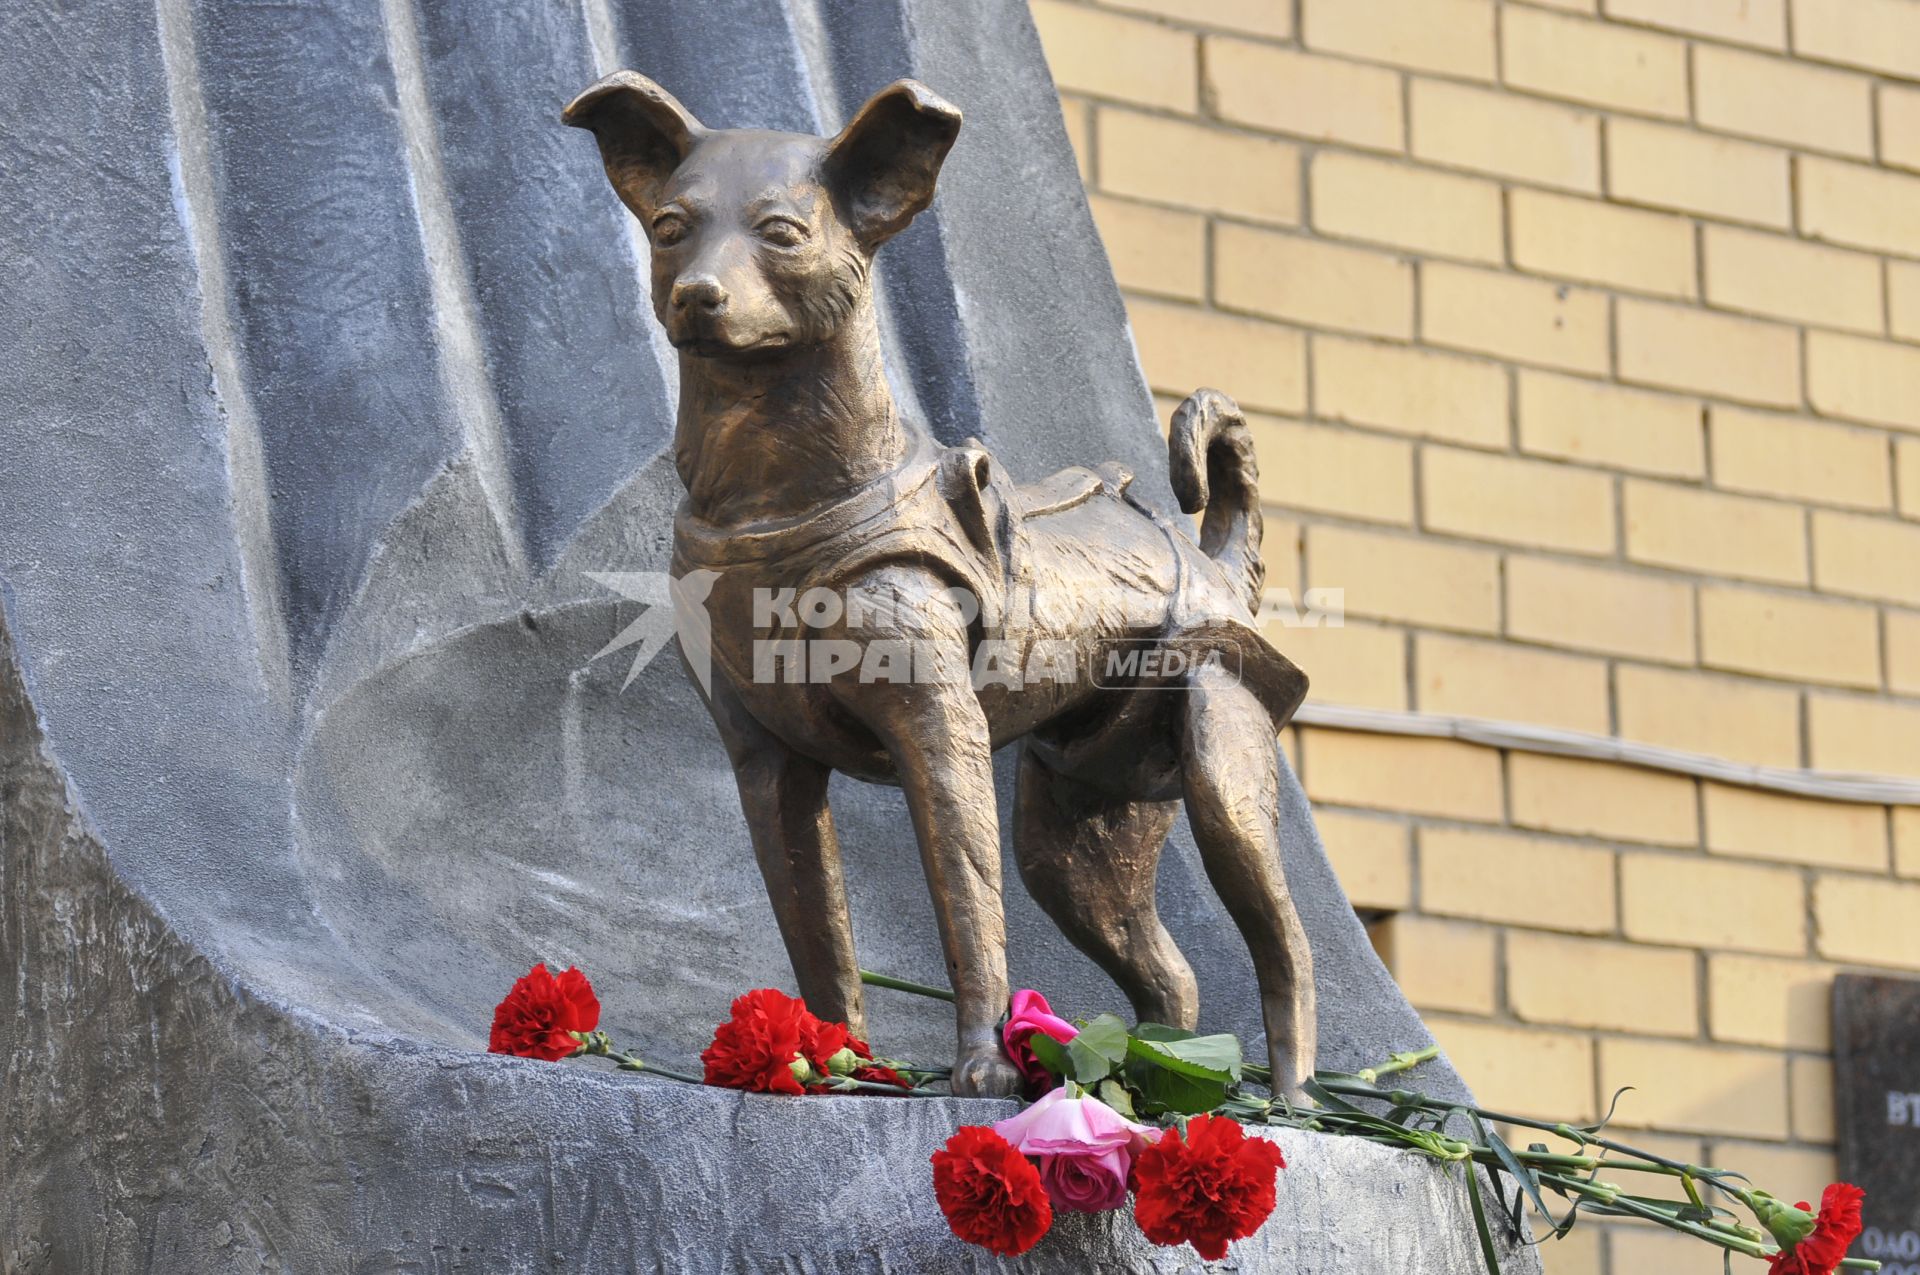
point(1090, 862)
point(1232, 777)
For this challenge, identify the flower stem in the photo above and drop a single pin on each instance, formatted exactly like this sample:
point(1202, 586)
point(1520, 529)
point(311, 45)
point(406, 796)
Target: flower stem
point(1400, 1062)
point(902, 985)
point(847, 1084)
point(597, 1045)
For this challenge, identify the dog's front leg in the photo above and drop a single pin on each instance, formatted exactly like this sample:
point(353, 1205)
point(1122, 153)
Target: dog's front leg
point(784, 798)
point(941, 747)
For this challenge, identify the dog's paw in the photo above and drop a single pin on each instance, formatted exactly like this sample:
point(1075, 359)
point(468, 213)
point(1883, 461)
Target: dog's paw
point(985, 1073)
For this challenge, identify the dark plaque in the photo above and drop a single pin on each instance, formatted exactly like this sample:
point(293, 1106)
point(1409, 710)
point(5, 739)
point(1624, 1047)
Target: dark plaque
point(1876, 1043)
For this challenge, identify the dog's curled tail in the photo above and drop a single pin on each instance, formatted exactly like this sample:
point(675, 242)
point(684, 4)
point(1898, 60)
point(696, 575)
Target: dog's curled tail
point(1211, 463)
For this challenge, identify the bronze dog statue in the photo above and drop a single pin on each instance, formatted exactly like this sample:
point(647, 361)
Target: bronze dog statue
point(924, 576)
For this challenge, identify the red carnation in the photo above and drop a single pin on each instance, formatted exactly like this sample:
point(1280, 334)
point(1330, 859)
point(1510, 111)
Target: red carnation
point(870, 1070)
point(539, 1012)
point(991, 1194)
point(1834, 1231)
point(756, 1048)
point(1213, 1186)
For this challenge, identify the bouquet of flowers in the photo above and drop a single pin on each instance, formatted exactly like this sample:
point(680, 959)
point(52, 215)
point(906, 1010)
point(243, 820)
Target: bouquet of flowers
point(1168, 1120)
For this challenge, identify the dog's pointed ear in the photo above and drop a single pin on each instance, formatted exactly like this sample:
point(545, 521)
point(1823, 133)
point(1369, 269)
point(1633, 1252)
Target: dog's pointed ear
point(643, 131)
point(883, 166)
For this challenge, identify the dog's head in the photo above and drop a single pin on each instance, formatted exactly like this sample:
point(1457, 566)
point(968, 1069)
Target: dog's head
point(762, 241)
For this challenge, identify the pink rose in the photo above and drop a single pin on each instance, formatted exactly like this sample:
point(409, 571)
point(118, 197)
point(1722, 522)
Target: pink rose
point(1030, 1013)
point(1084, 1148)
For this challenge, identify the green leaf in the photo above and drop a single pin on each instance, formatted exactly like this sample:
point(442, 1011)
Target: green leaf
point(1164, 1089)
point(1203, 1057)
point(1529, 1180)
point(1051, 1053)
point(1098, 1049)
point(1160, 1031)
point(1487, 1249)
point(1115, 1095)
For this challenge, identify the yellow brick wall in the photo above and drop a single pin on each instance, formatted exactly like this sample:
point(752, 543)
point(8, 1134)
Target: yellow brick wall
point(1581, 340)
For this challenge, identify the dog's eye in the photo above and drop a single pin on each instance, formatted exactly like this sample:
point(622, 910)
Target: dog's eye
point(782, 232)
point(669, 229)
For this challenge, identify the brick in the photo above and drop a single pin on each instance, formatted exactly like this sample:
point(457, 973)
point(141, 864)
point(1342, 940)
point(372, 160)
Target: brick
point(1411, 391)
point(1578, 1252)
point(1197, 166)
point(1701, 1088)
point(1569, 982)
point(1900, 126)
point(1372, 857)
point(1667, 166)
point(1545, 1075)
point(1446, 965)
point(1600, 984)
point(1800, 459)
point(1514, 880)
point(1763, 1000)
point(1636, 1249)
point(1789, 636)
point(1756, 22)
point(1359, 197)
point(1853, 204)
point(1524, 502)
point(1864, 380)
point(1781, 100)
point(1390, 772)
point(1732, 718)
point(1606, 425)
point(1599, 609)
point(1311, 281)
point(1358, 664)
point(1077, 118)
point(1785, 278)
point(1092, 51)
point(1906, 840)
point(1906, 466)
point(1810, 1081)
point(1881, 35)
point(1510, 682)
point(1867, 735)
point(1696, 902)
point(1903, 300)
point(1521, 319)
point(1454, 37)
point(1673, 347)
point(1494, 132)
point(1866, 557)
point(1788, 1173)
point(1593, 62)
point(1714, 534)
point(1181, 349)
point(1602, 243)
point(1280, 550)
point(1868, 920)
point(1758, 824)
point(1602, 799)
point(1288, 91)
point(1153, 250)
point(1903, 652)
point(1328, 469)
point(1257, 17)
point(1401, 578)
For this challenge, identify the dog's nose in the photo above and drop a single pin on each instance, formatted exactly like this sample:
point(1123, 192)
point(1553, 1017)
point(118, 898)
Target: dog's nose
point(702, 292)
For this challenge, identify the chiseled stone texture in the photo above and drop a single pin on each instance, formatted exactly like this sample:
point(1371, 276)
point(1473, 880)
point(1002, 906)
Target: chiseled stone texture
point(328, 377)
